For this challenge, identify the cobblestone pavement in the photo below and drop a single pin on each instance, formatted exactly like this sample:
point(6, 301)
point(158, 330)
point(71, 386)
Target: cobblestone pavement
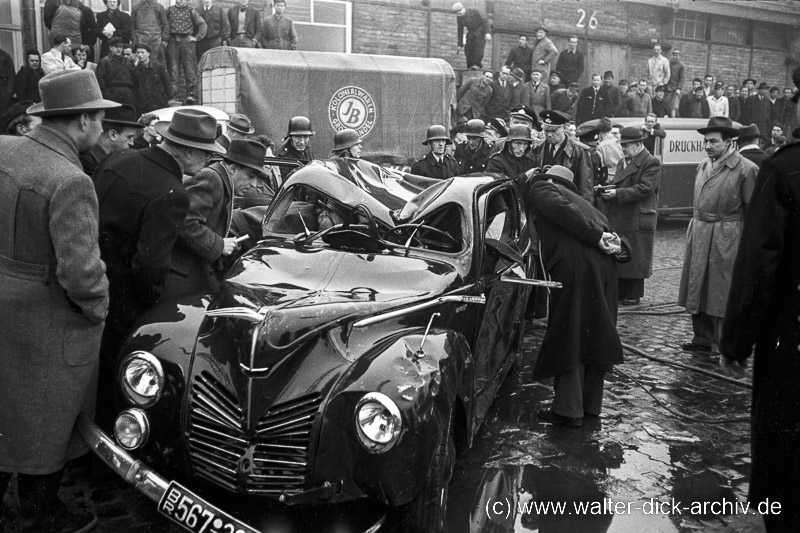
point(655, 463)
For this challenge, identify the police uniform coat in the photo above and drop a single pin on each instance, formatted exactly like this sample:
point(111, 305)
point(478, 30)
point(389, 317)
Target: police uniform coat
point(428, 166)
point(763, 309)
point(288, 151)
point(53, 300)
point(634, 211)
point(721, 194)
point(505, 163)
point(581, 325)
point(200, 239)
point(472, 161)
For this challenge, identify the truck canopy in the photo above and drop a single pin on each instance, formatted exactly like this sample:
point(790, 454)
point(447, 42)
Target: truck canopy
point(389, 100)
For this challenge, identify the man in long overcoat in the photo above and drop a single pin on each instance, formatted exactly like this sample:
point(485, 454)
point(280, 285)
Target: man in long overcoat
point(142, 205)
point(54, 296)
point(581, 342)
point(722, 190)
point(762, 310)
point(632, 210)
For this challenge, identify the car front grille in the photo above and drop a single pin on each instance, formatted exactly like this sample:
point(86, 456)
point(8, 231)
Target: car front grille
point(271, 459)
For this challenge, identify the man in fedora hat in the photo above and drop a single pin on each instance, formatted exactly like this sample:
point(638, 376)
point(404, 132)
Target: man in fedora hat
point(631, 206)
point(756, 109)
point(239, 128)
point(478, 32)
point(762, 311)
point(722, 191)
point(54, 297)
point(205, 239)
point(749, 142)
point(579, 250)
point(544, 52)
point(143, 204)
point(437, 163)
point(119, 129)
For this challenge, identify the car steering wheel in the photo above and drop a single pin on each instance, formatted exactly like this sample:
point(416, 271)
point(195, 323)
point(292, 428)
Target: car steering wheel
point(451, 244)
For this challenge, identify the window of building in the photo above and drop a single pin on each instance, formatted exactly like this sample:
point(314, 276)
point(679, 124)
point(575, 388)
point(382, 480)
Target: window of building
point(690, 25)
point(772, 36)
point(728, 30)
point(322, 25)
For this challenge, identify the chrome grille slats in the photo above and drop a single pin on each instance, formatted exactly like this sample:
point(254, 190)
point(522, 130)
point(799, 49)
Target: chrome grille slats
point(276, 453)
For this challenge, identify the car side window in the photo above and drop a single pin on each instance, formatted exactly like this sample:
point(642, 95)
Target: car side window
point(499, 222)
point(305, 208)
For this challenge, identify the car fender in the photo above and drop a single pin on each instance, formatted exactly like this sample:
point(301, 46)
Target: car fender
point(425, 385)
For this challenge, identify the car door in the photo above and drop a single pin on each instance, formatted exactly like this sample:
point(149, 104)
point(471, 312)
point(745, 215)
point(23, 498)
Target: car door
point(500, 325)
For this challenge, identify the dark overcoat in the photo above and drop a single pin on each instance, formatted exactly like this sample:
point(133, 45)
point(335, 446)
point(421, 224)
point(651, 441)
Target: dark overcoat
point(634, 211)
point(754, 154)
point(142, 205)
point(428, 166)
point(763, 310)
point(470, 161)
point(53, 300)
point(200, 239)
point(581, 326)
point(504, 162)
point(288, 151)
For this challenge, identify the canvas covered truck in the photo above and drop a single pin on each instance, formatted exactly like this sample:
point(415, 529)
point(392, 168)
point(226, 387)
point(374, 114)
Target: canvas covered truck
point(388, 100)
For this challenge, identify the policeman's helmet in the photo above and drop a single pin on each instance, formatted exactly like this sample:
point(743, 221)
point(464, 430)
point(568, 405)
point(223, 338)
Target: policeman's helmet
point(299, 125)
point(476, 128)
point(346, 138)
point(437, 133)
point(519, 132)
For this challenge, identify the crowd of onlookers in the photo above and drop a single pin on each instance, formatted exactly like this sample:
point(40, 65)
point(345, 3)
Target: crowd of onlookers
point(534, 77)
point(148, 58)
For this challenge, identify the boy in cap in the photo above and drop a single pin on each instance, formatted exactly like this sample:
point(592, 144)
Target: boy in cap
point(54, 298)
point(153, 88)
point(717, 102)
point(614, 94)
point(436, 163)
point(119, 129)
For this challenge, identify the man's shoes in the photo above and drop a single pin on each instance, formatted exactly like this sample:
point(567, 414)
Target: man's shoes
point(629, 301)
point(547, 415)
point(190, 101)
point(695, 348)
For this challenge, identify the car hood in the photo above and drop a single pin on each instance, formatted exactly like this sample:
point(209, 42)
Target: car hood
point(279, 297)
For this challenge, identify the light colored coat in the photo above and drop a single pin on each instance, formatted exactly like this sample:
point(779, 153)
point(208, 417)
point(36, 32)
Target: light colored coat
point(53, 302)
point(543, 50)
point(721, 194)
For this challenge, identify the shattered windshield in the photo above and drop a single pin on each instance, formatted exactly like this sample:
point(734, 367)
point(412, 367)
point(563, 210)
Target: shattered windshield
point(362, 210)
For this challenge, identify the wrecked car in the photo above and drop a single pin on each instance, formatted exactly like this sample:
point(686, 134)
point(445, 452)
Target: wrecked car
point(347, 356)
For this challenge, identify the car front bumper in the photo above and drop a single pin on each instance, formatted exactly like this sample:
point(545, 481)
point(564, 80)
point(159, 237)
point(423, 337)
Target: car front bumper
point(174, 501)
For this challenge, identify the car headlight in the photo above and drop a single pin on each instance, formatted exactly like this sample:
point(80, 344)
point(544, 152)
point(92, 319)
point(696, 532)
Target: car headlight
point(142, 378)
point(131, 428)
point(378, 422)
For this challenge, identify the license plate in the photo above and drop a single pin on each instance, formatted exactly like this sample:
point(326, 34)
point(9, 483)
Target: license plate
point(192, 512)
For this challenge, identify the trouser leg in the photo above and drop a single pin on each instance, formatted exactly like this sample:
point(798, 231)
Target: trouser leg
point(630, 288)
point(703, 329)
point(593, 385)
point(38, 498)
point(568, 400)
point(5, 479)
point(173, 64)
point(189, 63)
point(716, 335)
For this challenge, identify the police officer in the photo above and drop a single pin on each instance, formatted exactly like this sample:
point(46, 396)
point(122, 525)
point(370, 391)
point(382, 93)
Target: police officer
point(347, 143)
point(436, 163)
point(473, 155)
point(559, 149)
point(295, 145)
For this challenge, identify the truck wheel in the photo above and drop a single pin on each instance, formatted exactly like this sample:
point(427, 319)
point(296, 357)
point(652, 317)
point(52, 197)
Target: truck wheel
point(426, 513)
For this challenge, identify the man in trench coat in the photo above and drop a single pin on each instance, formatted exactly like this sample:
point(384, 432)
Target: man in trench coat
point(763, 310)
point(632, 209)
point(722, 191)
point(581, 342)
point(54, 296)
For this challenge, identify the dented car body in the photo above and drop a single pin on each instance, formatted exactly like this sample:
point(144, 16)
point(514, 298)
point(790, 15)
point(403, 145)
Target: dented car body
point(346, 357)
